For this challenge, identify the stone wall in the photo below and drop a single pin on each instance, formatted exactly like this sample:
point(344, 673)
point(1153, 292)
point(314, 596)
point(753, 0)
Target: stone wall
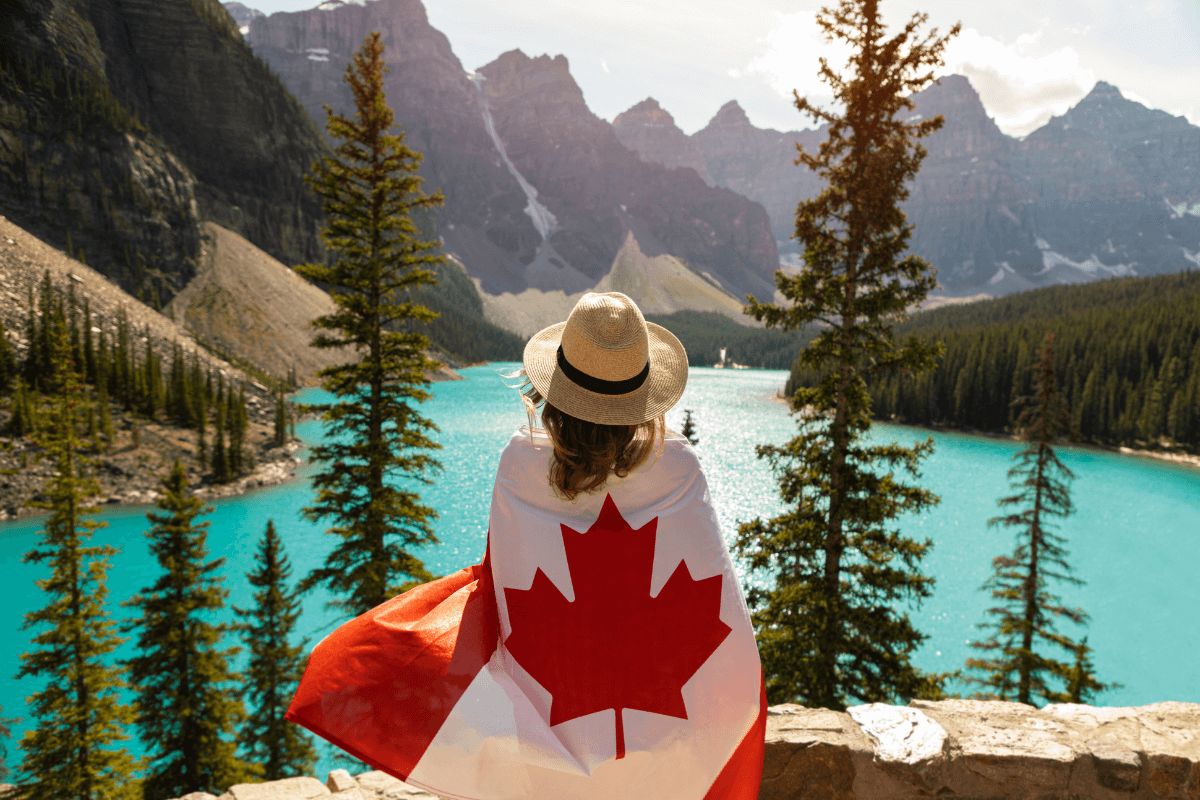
point(955, 748)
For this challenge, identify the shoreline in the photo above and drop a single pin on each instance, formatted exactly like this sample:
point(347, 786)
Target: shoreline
point(1183, 459)
point(1189, 460)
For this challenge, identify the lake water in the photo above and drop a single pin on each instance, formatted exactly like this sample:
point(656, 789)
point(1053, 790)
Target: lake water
point(1135, 538)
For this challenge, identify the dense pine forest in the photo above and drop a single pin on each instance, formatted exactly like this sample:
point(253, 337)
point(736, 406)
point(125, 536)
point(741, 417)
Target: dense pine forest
point(124, 374)
point(1127, 354)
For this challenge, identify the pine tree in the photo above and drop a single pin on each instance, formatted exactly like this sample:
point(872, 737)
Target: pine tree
point(689, 427)
point(188, 704)
point(89, 352)
point(24, 419)
point(280, 419)
point(31, 367)
point(220, 463)
point(275, 666)
point(376, 436)
point(75, 751)
point(1026, 615)
point(8, 362)
point(833, 627)
point(1079, 679)
point(5, 735)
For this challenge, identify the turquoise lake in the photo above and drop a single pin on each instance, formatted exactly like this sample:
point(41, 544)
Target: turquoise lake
point(1135, 537)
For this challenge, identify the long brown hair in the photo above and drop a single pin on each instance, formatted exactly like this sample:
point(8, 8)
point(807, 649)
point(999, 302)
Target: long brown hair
point(586, 453)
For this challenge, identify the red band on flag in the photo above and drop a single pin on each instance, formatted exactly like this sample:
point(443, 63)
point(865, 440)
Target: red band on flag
point(741, 776)
point(380, 686)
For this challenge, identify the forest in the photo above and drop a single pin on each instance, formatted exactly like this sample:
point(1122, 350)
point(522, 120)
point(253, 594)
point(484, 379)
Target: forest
point(1127, 353)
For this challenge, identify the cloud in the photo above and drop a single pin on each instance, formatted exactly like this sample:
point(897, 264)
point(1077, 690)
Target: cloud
point(604, 64)
point(1021, 84)
point(1021, 90)
point(789, 57)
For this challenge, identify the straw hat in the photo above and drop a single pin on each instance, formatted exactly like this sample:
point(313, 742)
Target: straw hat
point(606, 364)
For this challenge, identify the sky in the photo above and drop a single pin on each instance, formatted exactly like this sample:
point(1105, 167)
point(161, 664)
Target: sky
point(1028, 60)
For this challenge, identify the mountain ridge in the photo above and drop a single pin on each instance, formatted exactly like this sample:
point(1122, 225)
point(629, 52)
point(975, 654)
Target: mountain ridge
point(1110, 188)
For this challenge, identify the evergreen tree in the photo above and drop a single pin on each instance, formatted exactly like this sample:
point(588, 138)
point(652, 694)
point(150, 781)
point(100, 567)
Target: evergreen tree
point(106, 423)
point(275, 666)
point(24, 419)
point(89, 352)
point(75, 751)
point(833, 627)
point(31, 367)
point(220, 463)
point(5, 735)
point(1079, 679)
point(8, 362)
point(376, 435)
point(1026, 615)
point(280, 419)
point(689, 427)
point(188, 704)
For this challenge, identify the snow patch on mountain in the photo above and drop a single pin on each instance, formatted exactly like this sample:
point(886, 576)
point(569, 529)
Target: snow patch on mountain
point(542, 219)
point(1093, 267)
point(1182, 209)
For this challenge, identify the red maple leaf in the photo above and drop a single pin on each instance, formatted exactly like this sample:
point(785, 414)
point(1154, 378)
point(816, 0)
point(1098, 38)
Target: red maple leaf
point(615, 646)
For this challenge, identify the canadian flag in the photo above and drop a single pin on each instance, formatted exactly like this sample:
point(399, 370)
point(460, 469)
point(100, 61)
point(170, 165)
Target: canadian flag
point(602, 649)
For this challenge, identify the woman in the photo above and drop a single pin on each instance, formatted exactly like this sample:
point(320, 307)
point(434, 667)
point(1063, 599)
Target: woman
point(602, 649)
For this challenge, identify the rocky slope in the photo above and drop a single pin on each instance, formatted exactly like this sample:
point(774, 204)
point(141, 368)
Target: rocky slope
point(127, 473)
point(244, 303)
point(540, 193)
point(1110, 188)
point(124, 123)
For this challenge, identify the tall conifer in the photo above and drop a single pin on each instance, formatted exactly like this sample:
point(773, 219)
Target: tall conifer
point(74, 752)
point(833, 628)
point(1017, 665)
point(369, 191)
point(8, 362)
point(275, 666)
point(188, 704)
point(280, 419)
point(5, 735)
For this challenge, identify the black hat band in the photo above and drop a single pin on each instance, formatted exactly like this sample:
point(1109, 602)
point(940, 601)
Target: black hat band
point(599, 385)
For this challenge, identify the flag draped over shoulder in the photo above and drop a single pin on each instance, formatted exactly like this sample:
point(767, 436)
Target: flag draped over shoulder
point(602, 649)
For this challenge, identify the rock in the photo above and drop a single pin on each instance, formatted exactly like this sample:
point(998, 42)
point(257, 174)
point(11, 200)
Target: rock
point(810, 753)
point(287, 789)
point(1117, 767)
point(381, 786)
point(1004, 747)
point(229, 143)
point(340, 781)
point(908, 744)
point(199, 796)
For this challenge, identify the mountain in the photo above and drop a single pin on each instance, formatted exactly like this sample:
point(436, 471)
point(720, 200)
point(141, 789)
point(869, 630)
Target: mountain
point(650, 131)
point(540, 193)
point(1111, 188)
point(126, 123)
point(243, 15)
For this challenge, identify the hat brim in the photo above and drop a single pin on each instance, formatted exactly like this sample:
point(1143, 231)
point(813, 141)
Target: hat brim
point(662, 389)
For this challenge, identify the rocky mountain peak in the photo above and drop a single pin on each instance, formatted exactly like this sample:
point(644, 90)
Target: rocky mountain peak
point(729, 114)
point(242, 14)
point(647, 112)
point(544, 78)
point(1104, 91)
point(649, 130)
